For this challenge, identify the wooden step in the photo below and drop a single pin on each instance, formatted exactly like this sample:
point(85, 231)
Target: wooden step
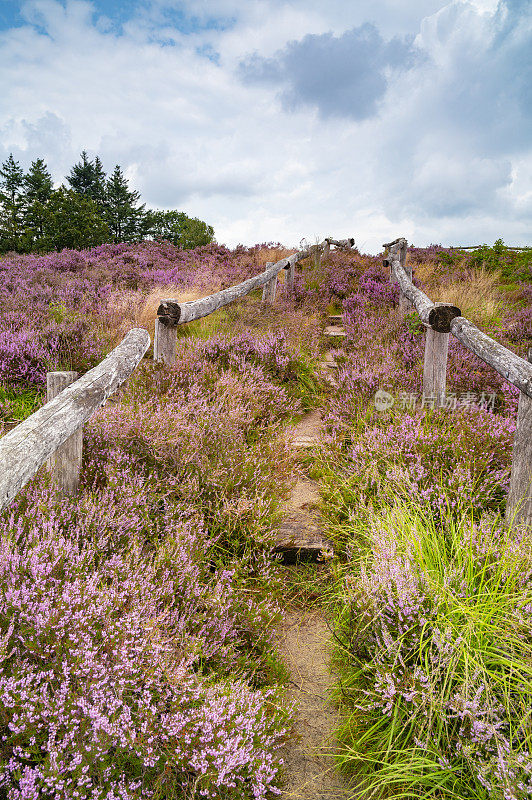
point(335, 331)
point(299, 538)
point(335, 319)
point(304, 440)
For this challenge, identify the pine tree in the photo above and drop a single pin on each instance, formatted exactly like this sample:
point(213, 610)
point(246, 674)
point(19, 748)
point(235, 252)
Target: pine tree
point(38, 187)
point(11, 205)
point(88, 178)
point(38, 182)
point(122, 214)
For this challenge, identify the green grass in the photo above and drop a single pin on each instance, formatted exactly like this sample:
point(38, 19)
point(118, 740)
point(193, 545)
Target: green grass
point(464, 644)
point(18, 403)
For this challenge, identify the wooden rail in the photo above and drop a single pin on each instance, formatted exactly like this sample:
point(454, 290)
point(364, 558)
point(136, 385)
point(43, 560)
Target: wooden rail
point(28, 446)
point(478, 246)
point(443, 319)
point(172, 313)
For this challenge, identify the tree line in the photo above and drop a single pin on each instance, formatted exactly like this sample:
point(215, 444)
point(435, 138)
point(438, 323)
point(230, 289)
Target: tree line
point(92, 209)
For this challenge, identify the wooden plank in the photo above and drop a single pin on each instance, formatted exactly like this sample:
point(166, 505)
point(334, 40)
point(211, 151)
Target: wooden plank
point(65, 464)
point(179, 313)
point(519, 502)
point(341, 244)
point(299, 538)
point(165, 340)
point(435, 365)
point(26, 448)
point(405, 305)
point(514, 369)
point(445, 318)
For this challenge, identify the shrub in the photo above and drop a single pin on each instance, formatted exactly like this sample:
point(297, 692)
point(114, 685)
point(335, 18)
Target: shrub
point(435, 628)
point(107, 687)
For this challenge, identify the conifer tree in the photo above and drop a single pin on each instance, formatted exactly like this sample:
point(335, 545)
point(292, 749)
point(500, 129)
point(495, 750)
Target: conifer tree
point(38, 186)
point(11, 205)
point(38, 182)
point(88, 178)
point(122, 214)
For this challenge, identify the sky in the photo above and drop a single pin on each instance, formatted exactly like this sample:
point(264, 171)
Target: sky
point(277, 120)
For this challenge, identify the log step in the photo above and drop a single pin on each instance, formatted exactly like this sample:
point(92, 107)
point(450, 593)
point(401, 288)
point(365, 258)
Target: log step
point(303, 441)
point(335, 319)
point(300, 539)
point(335, 331)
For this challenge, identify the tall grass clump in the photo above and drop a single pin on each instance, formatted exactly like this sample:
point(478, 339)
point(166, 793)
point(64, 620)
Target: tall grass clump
point(434, 622)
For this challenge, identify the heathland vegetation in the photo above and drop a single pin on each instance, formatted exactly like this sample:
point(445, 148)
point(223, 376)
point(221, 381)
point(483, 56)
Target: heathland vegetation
point(137, 620)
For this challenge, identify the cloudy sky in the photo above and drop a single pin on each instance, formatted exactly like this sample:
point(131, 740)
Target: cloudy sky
point(275, 120)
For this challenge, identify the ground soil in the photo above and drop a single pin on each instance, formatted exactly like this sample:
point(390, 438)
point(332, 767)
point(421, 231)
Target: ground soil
point(304, 644)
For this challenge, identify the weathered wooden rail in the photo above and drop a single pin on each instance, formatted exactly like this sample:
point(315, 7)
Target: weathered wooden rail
point(441, 320)
point(54, 432)
point(479, 246)
point(172, 313)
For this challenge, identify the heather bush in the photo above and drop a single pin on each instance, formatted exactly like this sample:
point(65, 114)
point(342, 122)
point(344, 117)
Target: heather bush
point(122, 672)
point(441, 459)
point(434, 657)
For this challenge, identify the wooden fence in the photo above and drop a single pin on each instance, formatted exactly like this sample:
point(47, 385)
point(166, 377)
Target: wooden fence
point(442, 319)
point(172, 313)
point(54, 432)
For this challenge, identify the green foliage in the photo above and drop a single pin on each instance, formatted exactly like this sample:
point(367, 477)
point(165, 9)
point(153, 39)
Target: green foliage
point(11, 205)
point(35, 218)
point(434, 656)
point(18, 402)
point(174, 226)
point(123, 215)
point(514, 265)
point(71, 220)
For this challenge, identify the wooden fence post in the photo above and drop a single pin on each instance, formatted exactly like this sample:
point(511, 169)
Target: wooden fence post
point(65, 464)
point(519, 502)
point(291, 277)
point(270, 288)
point(165, 342)
point(435, 365)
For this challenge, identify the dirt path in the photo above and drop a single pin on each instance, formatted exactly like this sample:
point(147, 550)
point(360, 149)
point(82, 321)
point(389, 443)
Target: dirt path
point(310, 772)
point(304, 643)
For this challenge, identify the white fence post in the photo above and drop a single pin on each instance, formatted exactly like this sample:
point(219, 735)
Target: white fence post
point(519, 502)
point(65, 464)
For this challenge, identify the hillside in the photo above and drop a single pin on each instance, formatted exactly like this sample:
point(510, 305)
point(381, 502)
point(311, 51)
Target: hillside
point(154, 634)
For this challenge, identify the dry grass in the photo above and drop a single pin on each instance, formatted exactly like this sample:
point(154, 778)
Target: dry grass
point(132, 309)
point(274, 254)
point(479, 297)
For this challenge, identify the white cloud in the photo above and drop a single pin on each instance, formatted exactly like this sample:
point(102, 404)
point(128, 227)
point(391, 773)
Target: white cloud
point(445, 154)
